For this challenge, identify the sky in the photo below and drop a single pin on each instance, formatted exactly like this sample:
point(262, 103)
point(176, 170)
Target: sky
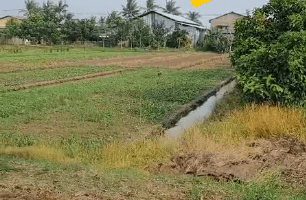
point(87, 8)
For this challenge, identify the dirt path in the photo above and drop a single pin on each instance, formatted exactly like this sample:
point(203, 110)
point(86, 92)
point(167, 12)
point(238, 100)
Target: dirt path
point(76, 78)
point(180, 61)
point(171, 60)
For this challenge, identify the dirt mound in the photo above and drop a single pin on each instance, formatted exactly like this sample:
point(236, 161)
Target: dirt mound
point(287, 152)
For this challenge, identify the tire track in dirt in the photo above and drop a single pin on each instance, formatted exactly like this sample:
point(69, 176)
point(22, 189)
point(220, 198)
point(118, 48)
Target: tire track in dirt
point(206, 63)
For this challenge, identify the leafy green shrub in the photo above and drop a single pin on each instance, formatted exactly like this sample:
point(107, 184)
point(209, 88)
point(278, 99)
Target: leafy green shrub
point(178, 38)
point(270, 53)
point(215, 41)
point(159, 32)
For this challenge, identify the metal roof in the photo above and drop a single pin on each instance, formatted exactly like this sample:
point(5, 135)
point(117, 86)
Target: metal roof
point(173, 17)
point(199, 27)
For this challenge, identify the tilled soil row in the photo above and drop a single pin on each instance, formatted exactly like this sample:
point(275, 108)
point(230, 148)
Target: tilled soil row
point(204, 62)
point(164, 60)
point(137, 61)
point(287, 152)
point(76, 78)
point(115, 61)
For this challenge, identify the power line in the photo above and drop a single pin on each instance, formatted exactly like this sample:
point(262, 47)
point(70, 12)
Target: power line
point(12, 9)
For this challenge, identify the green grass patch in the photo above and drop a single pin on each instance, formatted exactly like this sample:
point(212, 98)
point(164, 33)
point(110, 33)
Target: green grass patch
point(45, 54)
point(104, 105)
point(32, 160)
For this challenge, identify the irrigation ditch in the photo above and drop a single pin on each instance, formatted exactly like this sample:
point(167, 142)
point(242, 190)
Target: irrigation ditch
point(201, 107)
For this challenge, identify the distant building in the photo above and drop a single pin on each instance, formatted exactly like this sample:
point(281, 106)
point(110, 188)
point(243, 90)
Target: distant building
point(5, 19)
point(194, 29)
point(225, 23)
point(10, 39)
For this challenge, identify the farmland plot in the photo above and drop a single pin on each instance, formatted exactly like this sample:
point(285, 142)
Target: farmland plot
point(79, 117)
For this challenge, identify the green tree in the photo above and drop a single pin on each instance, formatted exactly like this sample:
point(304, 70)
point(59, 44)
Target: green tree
point(12, 28)
point(102, 21)
point(35, 28)
point(215, 41)
point(141, 33)
point(112, 18)
point(171, 8)
point(131, 9)
point(194, 16)
point(151, 5)
point(42, 23)
point(270, 54)
point(61, 8)
point(178, 38)
point(69, 16)
point(159, 32)
point(31, 7)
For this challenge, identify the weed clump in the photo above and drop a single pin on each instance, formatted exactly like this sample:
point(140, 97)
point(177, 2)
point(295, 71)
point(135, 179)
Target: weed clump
point(37, 152)
point(139, 153)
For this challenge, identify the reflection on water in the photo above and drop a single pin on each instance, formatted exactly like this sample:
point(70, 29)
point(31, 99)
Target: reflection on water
point(200, 113)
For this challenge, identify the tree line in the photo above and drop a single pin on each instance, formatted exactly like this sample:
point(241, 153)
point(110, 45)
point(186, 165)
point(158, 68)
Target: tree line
point(52, 23)
point(270, 53)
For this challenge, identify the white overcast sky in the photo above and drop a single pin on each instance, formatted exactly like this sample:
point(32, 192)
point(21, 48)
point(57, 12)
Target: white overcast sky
point(87, 8)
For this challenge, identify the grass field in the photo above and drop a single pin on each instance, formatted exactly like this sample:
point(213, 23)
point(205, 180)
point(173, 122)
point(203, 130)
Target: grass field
point(37, 55)
point(96, 138)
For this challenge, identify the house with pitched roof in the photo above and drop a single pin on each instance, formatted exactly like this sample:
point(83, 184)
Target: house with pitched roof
point(10, 40)
point(5, 19)
point(172, 22)
point(225, 23)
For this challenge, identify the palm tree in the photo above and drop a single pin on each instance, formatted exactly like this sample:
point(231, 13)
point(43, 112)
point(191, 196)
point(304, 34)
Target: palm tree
point(61, 7)
point(171, 8)
point(102, 20)
point(131, 9)
point(194, 16)
point(151, 5)
point(48, 5)
point(31, 7)
point(113, 16)
point(69, 16)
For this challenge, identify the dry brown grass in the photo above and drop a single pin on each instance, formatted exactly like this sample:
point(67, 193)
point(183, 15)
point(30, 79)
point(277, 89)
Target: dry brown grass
point(231, 135)
point(139, 153)
point(265, 121)
point(38, 152)
point(251, 123)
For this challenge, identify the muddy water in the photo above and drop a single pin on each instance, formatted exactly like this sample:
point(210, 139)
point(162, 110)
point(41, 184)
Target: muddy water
point(200, 113)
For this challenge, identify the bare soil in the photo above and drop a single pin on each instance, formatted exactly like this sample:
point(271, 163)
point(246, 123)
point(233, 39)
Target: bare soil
point(179, 61)
point(172, 60)
point(287, 152)
point(76, 78)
